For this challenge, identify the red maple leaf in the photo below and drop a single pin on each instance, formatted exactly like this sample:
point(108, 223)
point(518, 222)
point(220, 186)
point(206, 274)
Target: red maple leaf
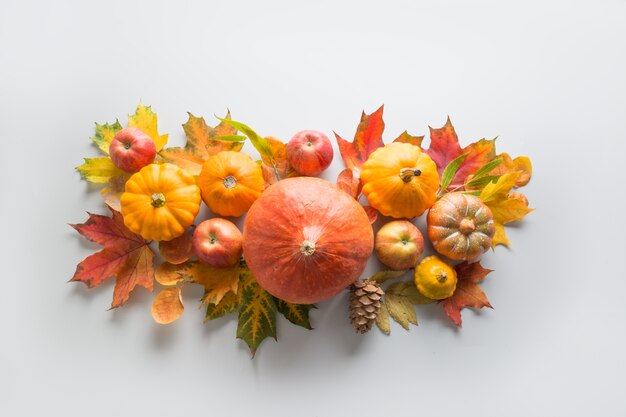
point(368, 138)
point(467, 292)
point(126, 256)
point(444, 148)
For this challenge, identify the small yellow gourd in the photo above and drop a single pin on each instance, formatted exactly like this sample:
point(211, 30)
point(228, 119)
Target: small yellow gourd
point(160, 201)
point(434, 278)
point(400, 180)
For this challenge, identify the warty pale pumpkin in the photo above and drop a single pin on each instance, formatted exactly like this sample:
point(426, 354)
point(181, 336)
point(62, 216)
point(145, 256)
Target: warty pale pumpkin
point(305, 240)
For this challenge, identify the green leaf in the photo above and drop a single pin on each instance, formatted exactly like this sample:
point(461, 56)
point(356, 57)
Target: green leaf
point(257, 312)
point(230, 138)
point(450, 171)
point(259, 143)
point(400, 299)
point(227, 305)
point(382, 319)
point(487, 168)
point(475, 193)
point(105, 134)
point(298, 314)
point(382, 276)
point(482, 181)
point(99, 170)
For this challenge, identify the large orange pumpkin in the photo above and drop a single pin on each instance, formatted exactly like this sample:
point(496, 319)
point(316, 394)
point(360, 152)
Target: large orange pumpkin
point(305, 240)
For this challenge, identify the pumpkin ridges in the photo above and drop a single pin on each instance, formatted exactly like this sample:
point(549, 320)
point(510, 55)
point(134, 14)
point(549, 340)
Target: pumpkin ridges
point(396, 196)
point(248, 186)
point(298, 208)
point(471, 222)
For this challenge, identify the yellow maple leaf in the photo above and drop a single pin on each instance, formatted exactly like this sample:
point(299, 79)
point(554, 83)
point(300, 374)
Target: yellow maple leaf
point(99, 170)
point(146, 120)
point(105, 134)
point(521, 165)
point(505, 208)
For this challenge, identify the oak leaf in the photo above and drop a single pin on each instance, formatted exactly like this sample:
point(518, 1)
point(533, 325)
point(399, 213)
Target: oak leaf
point(372, 213)
point(467, 292)
point(167, 306)
point(444, 148)
point(504, 207)
point(382, 319)
point(257, 312)
point(126, 256)
point(368, 138)
point(400, 299)
point(201, 143)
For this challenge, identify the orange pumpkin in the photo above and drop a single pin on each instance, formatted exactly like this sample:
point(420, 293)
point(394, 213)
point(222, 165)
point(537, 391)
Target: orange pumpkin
point(230, 182)
point(460, 226)
point(160, 201)
point(400, 180)
point(305, 240)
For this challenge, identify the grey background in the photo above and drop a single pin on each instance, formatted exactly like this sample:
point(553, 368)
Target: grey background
point(547, 77)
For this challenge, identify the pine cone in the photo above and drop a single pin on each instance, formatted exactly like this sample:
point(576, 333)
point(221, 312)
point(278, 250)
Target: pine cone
point(364, 304)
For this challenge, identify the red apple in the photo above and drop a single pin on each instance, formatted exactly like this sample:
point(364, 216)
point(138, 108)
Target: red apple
point(131, 149)
point(217, 243)
point(399, 244)
point(309, 152)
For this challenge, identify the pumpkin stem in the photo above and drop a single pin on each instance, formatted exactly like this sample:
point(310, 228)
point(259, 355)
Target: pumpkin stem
point(230, 182)
point(407, 174)
point(442, 277)
point(467, 226)
point(158, 200)
point(307, 248)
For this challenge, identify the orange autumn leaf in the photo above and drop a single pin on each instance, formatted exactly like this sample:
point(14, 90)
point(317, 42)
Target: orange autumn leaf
point(167, 306)
point(444, 148)
point(217, 282)
point(177, 250)
point(521, 164)
point(368, 138)
point(201, 144)
point(126, 256)
point(405, 137)
point(279, 157)
point(467, 292)
point(348, 181)
point(168, 274)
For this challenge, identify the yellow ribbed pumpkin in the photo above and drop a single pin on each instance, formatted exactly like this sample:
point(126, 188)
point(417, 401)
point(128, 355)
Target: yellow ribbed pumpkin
point(160, 201)
point(400, 180)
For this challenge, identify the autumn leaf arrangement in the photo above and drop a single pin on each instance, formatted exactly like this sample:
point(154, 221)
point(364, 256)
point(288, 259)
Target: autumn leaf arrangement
point(303, 239)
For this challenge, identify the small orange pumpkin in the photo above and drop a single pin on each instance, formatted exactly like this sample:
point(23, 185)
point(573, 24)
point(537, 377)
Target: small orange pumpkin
point(160, 201)
point(460, 226)
point(230, 182)
point(400, 180)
